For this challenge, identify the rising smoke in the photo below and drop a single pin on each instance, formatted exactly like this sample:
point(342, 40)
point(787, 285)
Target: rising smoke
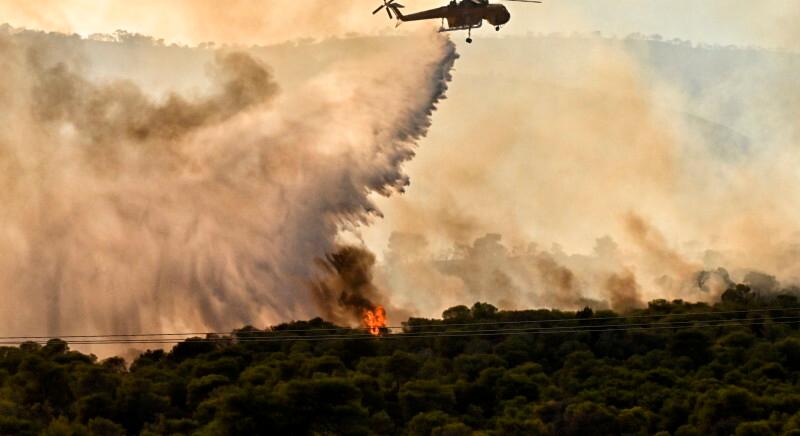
point(214, 206)
point(346, 291)
point(678, 161)
point(126, 210)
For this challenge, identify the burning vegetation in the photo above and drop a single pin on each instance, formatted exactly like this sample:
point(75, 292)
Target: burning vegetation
point(347, 294)
point(375, 320)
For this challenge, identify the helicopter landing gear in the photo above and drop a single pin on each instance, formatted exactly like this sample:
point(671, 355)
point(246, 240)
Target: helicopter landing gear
point(469, 40)
point(497, 28)
point(469, 35)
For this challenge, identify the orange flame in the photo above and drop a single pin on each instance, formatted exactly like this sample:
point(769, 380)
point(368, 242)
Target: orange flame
point(375, 320)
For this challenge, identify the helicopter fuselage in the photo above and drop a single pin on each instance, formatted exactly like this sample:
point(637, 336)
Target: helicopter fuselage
point(460, 15)
point(463, 15)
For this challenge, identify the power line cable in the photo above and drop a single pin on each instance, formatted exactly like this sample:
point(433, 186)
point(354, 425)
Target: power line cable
point(469, 333)
point(443, 324)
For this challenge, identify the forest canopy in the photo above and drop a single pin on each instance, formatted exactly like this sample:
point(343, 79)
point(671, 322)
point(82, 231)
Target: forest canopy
point(673, 368)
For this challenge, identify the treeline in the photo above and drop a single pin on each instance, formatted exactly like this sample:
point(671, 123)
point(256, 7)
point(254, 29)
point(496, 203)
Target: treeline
point(673, 368)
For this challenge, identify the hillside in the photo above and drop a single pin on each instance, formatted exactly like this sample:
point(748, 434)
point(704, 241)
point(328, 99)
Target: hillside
point(673, 368)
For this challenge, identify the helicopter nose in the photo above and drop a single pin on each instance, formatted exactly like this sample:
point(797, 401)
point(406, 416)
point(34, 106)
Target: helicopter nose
point(503, 17)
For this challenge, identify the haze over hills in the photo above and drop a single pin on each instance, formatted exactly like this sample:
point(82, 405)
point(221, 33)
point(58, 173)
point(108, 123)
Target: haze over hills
point(532, 234)
point(654, 159)
point(631, 161)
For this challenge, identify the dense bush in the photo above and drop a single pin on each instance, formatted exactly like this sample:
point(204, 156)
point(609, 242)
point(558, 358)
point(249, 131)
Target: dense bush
point(602, 375)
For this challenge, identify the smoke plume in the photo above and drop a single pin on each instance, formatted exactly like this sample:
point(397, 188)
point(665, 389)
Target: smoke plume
point(345, 292)
point(676, 160)
point(127, 210)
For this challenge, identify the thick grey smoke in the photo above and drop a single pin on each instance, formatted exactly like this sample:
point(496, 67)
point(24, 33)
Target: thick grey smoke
point(345, 290)
point(127, 210)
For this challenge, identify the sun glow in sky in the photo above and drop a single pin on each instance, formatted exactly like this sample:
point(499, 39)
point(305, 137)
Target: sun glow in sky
point(769, 23)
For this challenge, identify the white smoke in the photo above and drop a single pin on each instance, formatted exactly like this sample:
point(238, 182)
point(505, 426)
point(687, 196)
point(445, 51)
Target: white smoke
point(127, 210)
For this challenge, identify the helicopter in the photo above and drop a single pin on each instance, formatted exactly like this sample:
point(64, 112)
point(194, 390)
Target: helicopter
point(460, 15)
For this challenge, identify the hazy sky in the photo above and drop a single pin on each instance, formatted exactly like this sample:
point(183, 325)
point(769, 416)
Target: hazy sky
point(765, 23)
point(587, 138)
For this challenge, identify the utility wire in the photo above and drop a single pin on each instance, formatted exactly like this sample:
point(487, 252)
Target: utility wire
point(439, 325)
point(719, 322)
point(456, 334)
point(403, 336)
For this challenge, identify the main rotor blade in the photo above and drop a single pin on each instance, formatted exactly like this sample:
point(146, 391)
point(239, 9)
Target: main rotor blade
point(378, 10)
point(389, 11)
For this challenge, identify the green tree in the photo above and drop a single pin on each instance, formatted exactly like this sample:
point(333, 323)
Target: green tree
point(326, 405)
point(199, 388)
point(518, 418)
point(423, 423)
point(483, 311)
point(721, 410)
point(424, 396)
point(105, 427)
point(138, 403)
point(452, 429)
point(457, 313)
point(589, 418)
point(692, 344)
point(757, 428)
